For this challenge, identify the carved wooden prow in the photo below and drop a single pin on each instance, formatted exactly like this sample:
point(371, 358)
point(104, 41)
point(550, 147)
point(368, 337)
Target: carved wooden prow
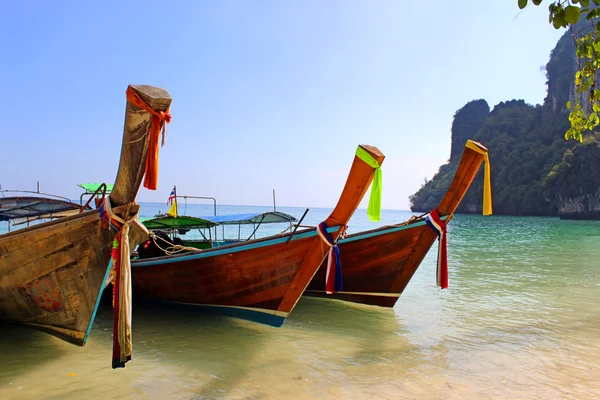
point(463, 177)
point(136, 140)
point(360, 177)
point(466, 171)
point(358, 182)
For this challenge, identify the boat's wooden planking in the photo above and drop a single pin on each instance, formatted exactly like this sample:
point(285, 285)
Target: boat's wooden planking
point(52, 276)
point(242, 276)
point(370, 266)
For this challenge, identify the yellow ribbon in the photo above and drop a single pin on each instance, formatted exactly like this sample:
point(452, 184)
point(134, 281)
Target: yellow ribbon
point(374, 210)
point(487, 185)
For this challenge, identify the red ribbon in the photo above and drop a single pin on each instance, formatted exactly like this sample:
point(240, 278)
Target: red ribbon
point(158, 125)
point(435, 222)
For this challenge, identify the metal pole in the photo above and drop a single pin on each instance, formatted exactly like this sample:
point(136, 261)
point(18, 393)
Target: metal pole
point(175, 190)
point(297, 225)
point(274, 208)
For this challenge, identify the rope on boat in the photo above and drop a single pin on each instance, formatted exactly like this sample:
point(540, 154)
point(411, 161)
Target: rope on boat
point(172, 248)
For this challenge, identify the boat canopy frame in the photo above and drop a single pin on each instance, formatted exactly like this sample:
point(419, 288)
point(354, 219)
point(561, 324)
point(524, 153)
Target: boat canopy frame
point(26, 206)
point(42, 205)
point(255, 219)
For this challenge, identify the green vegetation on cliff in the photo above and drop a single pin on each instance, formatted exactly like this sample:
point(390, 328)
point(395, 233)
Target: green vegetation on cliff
point(526, 143)
point(574, 183)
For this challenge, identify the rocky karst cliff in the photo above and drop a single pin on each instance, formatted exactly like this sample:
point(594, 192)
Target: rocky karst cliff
point(535, 171)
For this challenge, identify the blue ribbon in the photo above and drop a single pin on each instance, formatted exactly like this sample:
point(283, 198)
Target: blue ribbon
point(337, 284)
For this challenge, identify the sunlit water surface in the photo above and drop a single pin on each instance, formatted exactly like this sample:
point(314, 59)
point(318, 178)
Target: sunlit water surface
point(521, 320)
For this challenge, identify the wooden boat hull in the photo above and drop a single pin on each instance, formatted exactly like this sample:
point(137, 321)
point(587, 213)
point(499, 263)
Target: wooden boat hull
point(378, 264)
point(247, 280)
point(51, 275)
point(260, 280)
point(375, 264)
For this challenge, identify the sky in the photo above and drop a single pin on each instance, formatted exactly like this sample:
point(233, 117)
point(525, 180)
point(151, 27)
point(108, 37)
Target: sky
point(266, 94)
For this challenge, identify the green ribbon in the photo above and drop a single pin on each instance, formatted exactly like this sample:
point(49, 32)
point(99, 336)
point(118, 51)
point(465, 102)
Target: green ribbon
point(374, 210)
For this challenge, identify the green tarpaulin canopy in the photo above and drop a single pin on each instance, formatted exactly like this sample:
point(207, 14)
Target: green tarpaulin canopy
point(181, 222)
point(92, 187)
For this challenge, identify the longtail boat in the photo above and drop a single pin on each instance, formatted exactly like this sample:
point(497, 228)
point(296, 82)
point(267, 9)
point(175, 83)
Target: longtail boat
point(378, 264)
point(52, 274)
point(259, 279)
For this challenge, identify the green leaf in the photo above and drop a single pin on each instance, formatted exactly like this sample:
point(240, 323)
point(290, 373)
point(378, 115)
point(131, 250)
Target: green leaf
point(559, 19)
point(572, 14)
point(556, 23)
point(569, 105)
point(536, 2)
point(522, 4)
point(568, 134)
point(585, 3)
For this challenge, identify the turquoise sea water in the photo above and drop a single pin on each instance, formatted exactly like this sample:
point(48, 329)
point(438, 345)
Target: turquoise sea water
point(520, 320)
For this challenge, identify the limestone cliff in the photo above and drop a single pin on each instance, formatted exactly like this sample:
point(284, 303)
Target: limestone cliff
point(574, 183)
point(525, 142)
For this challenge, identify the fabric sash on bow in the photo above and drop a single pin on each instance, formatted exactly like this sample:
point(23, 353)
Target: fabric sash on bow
point(158, 126)
point(333, 276)
point(435, 222)
point(374, 210)
point(487, 185)
point(121, 269)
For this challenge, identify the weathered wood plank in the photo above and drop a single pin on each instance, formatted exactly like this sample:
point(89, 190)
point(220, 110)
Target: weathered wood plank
point(136, 141)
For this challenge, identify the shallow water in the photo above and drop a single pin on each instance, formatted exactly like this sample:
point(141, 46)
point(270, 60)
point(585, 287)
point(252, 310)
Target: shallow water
point(520, 320)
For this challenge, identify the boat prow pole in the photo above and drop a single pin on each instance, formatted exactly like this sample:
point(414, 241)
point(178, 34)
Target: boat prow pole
point(136, 143)
point(473, 156)
point(360, 177)
point(145, 116)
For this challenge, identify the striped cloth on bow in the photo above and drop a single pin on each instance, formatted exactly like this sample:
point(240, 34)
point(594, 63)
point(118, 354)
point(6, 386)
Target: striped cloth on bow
point(122, 293)
point(333, 276)
point(435, 222)
point(106, 219)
